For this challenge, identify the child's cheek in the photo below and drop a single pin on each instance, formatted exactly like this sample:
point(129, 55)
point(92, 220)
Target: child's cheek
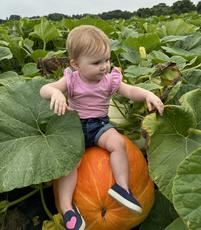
point(108, 68)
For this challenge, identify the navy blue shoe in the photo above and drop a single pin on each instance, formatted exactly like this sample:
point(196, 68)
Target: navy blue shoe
point(73, 220)
point(125, 198)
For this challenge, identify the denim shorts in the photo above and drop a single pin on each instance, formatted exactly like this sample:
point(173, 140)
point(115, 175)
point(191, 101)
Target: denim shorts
point(93, 128)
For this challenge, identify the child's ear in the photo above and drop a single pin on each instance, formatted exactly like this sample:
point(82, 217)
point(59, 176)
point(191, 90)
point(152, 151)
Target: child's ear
point(74, 64)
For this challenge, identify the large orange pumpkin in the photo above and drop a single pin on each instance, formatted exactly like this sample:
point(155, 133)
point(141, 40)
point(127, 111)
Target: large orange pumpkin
point(98, 209)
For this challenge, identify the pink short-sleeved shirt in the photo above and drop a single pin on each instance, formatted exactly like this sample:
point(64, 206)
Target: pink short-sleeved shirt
point(91, 100)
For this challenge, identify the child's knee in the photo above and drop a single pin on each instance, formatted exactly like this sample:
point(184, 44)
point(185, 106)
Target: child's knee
point(119, 143)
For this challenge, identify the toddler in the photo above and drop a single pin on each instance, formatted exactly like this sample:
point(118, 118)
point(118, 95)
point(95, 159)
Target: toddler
point(89, 85)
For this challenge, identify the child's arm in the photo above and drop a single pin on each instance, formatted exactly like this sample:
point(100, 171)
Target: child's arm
point(54, 92)
point(138, 94)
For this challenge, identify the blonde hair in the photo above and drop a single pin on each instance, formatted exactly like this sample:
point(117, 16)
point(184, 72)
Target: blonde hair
point(87, 40)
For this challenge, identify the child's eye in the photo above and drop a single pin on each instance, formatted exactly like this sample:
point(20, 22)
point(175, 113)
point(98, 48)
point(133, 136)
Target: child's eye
point(96, 63)
point(101, 61)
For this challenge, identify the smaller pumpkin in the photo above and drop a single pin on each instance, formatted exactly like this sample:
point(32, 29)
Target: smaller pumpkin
point(98, 209)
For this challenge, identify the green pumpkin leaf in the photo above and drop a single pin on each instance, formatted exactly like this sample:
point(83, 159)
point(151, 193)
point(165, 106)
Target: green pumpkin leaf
point(5, 53)
point(187, 190)
point(188, 100)
point(137, 71)
point(176, 225)
point(180, 61)
point(179, 27)
point(35, 145)
point(98, 22)
point(30, 69)
point(172, 38)
point(173, 92)
point(158, 57)
point(130, 55)
point(45, 31)
point(172, 137)
point(189, 47)
point(150, 41)
point(179, 52)
point(190, 81)
point(9, 77)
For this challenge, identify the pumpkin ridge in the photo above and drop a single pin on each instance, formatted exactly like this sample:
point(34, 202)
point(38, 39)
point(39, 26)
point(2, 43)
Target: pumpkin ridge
point(113, 205)
point(144, 190)
point(110, 180)
point(91, 225)
point(85, 198)
point(94, 181)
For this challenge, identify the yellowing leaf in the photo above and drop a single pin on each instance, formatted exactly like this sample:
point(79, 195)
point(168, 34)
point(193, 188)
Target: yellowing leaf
point(55, 224)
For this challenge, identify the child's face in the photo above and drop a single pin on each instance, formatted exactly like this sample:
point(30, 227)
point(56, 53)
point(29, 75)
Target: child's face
point(93, 68)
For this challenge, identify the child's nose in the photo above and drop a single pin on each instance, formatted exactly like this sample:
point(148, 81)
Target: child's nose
point(102, 66)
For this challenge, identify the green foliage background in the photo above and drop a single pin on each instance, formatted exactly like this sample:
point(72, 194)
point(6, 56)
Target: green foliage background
point(161, 54)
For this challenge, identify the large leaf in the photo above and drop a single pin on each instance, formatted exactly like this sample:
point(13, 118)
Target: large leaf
point(179, 51)
point(45, 31)
point(5, 53)
point(158, 57)
point(189, 47)
point(9, 77)
point(35, 145)
point(172, 38)
point(179, 27)
point(172, 138)
point(191, 43)
point(130, 55)
point(150, 41)
point(190, 81)
point(187, 190)
point(190, 100)
point(30, 69)
point(176, 225)
point(116, 116)
point(137, 71)
point(18, 52)
point(98, 22)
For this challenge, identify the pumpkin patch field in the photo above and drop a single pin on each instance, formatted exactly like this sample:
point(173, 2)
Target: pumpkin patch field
point(161, 54)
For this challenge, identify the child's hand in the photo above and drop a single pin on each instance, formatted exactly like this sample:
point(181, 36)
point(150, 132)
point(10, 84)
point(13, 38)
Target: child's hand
point(154, 102)
point(58, 103)
point(118, 69)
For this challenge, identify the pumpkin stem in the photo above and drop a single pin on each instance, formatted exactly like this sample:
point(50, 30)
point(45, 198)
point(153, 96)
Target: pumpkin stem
point(103, 211)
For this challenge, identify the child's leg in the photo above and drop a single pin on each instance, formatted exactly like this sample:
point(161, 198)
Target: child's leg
point(114, 143)
point(65, 188)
